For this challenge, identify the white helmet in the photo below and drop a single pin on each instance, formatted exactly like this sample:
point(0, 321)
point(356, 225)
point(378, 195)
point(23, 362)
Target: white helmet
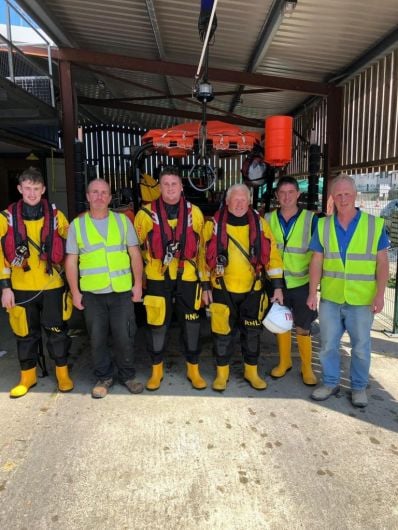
point(279, 319)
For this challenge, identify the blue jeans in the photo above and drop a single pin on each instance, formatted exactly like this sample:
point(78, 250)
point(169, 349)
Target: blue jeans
point(334, 320)
point(111, 313)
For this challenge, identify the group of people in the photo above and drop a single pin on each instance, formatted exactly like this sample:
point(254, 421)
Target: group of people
point(236, 264)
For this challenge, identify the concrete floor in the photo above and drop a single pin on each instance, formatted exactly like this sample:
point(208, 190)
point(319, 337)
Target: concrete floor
point(182, 459)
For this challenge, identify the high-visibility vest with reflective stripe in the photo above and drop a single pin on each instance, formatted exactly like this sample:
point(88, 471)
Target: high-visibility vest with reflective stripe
point(296, 256)
point(103, 263)
point(355, 281)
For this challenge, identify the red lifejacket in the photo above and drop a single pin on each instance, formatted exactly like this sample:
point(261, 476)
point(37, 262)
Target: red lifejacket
point(181, 242)
point(15, 243)
point(259, 245)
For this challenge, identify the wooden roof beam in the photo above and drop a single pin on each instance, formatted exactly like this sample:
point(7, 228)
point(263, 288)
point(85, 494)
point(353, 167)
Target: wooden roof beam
point(164, 111)
point(80, 56)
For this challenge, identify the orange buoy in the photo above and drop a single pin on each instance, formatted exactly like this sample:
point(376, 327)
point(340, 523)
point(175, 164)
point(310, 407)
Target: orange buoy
point(278, 140)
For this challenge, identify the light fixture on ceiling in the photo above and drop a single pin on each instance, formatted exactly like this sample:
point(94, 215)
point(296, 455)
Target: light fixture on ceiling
point(32, 157)
point(289, 7)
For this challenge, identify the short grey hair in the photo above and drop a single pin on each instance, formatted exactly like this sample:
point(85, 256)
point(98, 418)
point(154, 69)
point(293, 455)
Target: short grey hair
point(343, 177)
point(94, 181)
point(237, 187)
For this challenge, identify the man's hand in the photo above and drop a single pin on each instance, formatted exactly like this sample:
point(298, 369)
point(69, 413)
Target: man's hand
point(77, 300)
point(312, 301)
point(278, 296)
point(207, 297)
point(136, 293)
point(7, 298)
point(378, 303)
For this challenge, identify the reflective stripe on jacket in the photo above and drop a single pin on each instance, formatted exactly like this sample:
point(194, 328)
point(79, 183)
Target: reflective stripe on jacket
point(355, 281)
point(103, 263)
point(294, 247)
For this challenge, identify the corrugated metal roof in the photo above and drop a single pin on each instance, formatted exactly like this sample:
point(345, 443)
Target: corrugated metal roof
point(319, 40)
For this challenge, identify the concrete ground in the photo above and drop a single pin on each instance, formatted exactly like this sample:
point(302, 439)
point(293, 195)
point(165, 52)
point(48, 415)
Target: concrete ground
point(185, 459)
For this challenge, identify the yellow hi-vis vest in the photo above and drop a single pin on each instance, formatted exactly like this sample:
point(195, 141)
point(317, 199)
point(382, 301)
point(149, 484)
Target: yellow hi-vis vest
point(355, 281)
point(103, 263)
point(294, 251)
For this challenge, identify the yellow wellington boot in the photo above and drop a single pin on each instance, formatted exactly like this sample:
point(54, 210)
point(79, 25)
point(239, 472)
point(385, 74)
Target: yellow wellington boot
point(194, 376)
point(284, 341)
point(305, 348)
point(65, 383)
point(156, 378)
point(28, 379)
point(221, 380)
point(251, 375)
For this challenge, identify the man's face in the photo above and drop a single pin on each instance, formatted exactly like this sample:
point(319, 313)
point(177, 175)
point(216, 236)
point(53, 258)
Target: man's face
point(31, 192)
point(98, 195)
point(344, 196)
point(171, 188)
point(287, 196)
point(238, 203)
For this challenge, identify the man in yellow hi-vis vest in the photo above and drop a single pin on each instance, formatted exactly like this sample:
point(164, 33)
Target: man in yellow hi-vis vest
point(102, 249)
point(292, 228)
point(351, 263)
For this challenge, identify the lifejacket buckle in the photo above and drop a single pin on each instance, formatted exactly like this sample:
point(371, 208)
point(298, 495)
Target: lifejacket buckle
point(167, 259)
point(221, 263)
point(22, 250)
point(17, 261)
point(21, 254)
point(173, 247)
point(171, 250)
point(219, 270)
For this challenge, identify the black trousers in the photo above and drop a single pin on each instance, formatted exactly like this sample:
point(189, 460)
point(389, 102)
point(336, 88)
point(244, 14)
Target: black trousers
point(296, 300)
point(245, 309)
point(43, 309)
point(111, 313)
point(185, 295)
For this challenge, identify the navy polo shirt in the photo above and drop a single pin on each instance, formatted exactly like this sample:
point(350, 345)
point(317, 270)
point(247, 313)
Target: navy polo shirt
point(286, 226)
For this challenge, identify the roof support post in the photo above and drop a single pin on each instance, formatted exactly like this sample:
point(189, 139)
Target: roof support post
point(69, 132)
point(333, 132)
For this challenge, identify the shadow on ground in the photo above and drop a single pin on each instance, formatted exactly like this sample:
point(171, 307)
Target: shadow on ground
point(382, 410)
